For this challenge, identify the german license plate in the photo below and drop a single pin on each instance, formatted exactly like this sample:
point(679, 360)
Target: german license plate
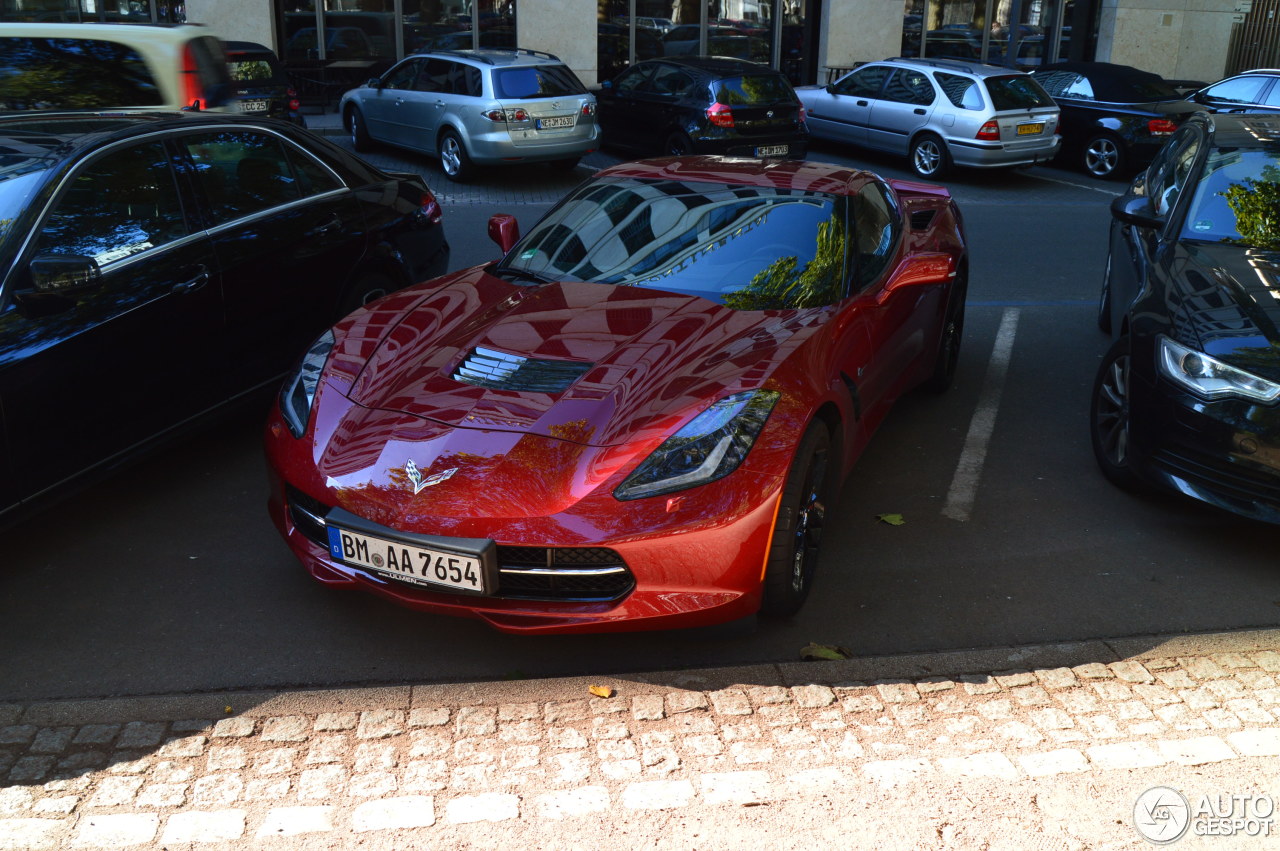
point(253, 106)
point(554, 122)
point(407, 562)
point(772, 151)
point(1030, 129)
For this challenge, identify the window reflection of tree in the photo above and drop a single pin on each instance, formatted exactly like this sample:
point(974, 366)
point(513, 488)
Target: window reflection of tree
point(787, 285)
point(1255, 201)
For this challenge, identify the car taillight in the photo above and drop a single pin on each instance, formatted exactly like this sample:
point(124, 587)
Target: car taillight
point(720, 115)
point(294, 103)
point(192, 92)
point(588, 109)
point(989, 132)
point(804, 114)
point(1161, 126)
point(430, 207)
point(508, 115)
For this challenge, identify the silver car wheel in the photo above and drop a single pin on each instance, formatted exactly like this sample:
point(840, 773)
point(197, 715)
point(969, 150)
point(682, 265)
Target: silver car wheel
point(1101, 157)
point(450, 157)
point(927, 157)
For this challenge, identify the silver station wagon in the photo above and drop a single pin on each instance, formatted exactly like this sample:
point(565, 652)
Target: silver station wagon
point(493, 106)
point(939, 113)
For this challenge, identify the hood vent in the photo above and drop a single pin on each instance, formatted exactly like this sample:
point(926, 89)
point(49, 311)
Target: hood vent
point(501, 371)
point(921, 219)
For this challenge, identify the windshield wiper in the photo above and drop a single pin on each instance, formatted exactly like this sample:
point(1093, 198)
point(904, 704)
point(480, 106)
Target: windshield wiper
point(516, 274)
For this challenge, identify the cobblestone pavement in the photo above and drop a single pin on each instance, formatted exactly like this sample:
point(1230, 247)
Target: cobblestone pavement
point(781, 750)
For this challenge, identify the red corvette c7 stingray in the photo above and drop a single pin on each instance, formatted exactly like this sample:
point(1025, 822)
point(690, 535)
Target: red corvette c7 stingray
point(638, 418)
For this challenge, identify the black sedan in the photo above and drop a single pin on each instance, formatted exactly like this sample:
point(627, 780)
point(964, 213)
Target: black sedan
point(154, 267)
point(705, 105)
point(1114, 117)
point(1188, 395)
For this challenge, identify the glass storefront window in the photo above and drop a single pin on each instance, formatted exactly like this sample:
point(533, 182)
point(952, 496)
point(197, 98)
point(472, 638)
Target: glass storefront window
point(94, 11)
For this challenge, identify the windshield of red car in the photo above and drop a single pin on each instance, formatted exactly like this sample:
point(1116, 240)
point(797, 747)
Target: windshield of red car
point(746, 247)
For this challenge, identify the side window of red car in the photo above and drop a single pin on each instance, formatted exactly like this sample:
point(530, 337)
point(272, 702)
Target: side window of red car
point(877, 224)
point(118, 205)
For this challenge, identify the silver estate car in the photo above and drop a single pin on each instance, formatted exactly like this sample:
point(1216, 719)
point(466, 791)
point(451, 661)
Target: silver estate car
point(939, 113)
point(493, 106)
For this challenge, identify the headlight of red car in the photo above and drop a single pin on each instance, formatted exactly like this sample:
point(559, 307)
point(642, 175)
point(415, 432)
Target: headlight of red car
point(708, 447)
point(299, 389)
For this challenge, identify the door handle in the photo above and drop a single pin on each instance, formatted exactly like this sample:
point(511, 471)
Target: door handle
point(333, 224)
point(201, 278)
point(918, 111)
point(862, 103)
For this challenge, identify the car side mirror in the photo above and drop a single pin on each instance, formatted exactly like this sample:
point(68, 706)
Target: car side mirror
point(1136, 210)
point(831, 89)
point(504, 230)
point(607, 84)
point(374, 83)
point(921, 270)
point(64, 274)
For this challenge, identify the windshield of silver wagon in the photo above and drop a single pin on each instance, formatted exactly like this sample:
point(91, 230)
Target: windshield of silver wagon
point(746, 247)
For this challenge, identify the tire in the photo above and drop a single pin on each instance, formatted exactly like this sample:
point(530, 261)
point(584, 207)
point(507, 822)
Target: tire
point(944, 367)
point(1103, 156)
point(1104, 300)
point(808, 497)
point(360, 138)
point(454, 160)
point(929, 156)
point(564, 165)
point(677, 145)
point(1109, 418)
point(368, 287)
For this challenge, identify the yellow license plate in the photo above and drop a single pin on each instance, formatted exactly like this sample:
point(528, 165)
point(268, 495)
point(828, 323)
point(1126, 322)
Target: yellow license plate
point(1030, 129)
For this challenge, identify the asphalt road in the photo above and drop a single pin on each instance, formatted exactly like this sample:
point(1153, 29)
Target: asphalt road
point(170, 578)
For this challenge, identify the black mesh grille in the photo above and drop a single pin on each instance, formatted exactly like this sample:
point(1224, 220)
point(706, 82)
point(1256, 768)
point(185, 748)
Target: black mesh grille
point(1220, 475)
point(502, 371)
point(921, 219)
point(303, 510)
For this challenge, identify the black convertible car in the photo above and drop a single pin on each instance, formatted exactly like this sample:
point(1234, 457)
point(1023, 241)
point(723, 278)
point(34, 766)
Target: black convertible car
point(1114, 117)
point(1188, 395)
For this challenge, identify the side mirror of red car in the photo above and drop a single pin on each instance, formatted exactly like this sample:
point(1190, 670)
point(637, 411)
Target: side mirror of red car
point(930, 268)
point(504, 230)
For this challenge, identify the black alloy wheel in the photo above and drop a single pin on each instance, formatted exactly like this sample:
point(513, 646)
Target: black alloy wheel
point(944, 367)
point(360, 138)
point(1103, 156)
point(807, 500)
point(1109, 416)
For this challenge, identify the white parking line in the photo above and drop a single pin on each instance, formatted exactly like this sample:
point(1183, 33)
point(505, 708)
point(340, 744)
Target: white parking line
point(1114, 193)
point(964, 485)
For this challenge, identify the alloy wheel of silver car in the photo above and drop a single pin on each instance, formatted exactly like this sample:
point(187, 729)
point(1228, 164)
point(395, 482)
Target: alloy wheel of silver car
point(929, 156)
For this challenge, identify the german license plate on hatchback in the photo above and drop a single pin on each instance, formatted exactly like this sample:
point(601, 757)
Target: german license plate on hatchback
point(555, 122)
point(772, 151)
point(253, 106)
point(1031, 129)
point(407, 562)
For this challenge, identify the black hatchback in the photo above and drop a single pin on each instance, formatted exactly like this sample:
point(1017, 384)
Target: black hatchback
point(154, 267)
point(703, 105)
point(1188, 395)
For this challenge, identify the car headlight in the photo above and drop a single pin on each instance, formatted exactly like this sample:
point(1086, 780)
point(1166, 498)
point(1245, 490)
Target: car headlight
point(1210, 377)
point(299, 389)
point(708, 447)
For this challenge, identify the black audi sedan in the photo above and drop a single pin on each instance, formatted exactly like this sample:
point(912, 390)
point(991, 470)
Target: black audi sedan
point(154, 267)
point(1114, 117)
point(683, 105)
point(1188, 395)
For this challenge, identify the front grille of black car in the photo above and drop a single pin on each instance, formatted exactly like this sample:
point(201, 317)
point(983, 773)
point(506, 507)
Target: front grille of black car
point(501, 371)
point(565, 574)
point(1219, 475)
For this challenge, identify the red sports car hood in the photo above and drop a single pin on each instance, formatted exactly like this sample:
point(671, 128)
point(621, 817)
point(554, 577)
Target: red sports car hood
point(590, 363)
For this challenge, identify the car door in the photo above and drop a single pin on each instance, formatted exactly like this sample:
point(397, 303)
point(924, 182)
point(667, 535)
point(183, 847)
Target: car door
point(88, 373)
point(841, 110)
point(382, 106)
point(618, 105)
point(441, 89)
point(287, 235)
point(903, 108)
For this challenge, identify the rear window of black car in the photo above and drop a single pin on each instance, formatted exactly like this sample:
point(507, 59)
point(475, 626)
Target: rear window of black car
point(73, 73)
point(1016, 92)
point(539, 81)
point(753, 90)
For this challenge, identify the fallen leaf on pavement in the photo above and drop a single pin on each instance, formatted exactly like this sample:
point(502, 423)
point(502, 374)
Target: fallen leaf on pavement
point(601, 691)
point(891, 519)
point(824, 652)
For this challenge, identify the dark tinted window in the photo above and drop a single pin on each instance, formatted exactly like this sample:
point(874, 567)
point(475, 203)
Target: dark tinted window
point(748, 248)
point(1237, 200)
point(241, 172)
point(119, 205)
point(963, 92)
point(404, 75)
point(876, 224)
point(536, 81)
point(908, 85)
point(73, 73)
point(865, 82)
point(670, 80)
point(1016, 92)
point(1239, 90)
point(633, 79)
point(754, 89)
point(1065, 84)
